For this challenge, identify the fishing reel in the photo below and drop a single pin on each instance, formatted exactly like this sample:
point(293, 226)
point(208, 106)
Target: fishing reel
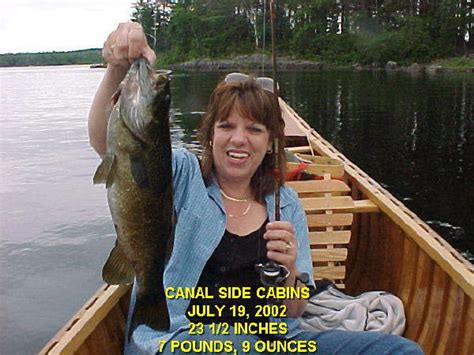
point(273, 274)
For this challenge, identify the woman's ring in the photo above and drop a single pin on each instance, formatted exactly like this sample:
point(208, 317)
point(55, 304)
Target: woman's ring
point(113, 46)
point(289, 245)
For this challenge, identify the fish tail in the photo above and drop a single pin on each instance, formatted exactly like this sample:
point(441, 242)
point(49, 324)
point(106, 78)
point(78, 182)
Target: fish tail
point(153, 313)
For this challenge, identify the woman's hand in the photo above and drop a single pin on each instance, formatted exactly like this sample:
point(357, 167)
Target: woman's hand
point(282, 247)
point(122, 47)
point(125, 44)
point(282, 244)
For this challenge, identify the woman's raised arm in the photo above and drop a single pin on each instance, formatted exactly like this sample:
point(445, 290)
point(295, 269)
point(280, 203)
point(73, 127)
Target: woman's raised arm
point(122, 47)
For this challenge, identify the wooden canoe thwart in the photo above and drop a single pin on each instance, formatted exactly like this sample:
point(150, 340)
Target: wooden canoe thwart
point(320, 167)
point(314, 188)
point(361, 237)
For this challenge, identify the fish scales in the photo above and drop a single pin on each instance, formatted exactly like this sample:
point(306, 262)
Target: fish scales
point(137, 172)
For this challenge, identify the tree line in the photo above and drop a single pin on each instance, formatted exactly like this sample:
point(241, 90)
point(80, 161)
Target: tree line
point(336, 31)
point(86, 56)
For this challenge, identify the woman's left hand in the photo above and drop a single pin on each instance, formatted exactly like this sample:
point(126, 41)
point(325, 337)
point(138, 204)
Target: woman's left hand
point(281, 243)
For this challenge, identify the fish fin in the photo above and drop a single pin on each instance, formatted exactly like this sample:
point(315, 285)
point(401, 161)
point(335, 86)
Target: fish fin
point(117, 270)
point(104, 173)
point(139, 171)
point(151, 312)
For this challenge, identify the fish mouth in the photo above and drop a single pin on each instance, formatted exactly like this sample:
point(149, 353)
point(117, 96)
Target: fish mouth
point(145, 98)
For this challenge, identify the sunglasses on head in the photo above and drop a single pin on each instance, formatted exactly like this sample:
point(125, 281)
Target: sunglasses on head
point(264, 82)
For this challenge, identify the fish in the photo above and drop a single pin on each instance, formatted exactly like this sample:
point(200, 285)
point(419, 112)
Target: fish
point(136, 170)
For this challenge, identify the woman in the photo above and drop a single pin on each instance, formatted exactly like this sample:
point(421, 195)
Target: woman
point(225, 209)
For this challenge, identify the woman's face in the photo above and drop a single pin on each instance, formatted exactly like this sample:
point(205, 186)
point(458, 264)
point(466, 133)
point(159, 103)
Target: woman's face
point(239, 146)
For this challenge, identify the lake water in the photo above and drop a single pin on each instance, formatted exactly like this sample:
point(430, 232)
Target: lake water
point(415, 135)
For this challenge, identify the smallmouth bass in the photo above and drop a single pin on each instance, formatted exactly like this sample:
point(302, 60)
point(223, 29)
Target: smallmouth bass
point(137, 172)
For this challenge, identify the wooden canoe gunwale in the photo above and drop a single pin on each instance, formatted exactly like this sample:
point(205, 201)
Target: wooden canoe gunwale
point(70, 338)
point(460, 269)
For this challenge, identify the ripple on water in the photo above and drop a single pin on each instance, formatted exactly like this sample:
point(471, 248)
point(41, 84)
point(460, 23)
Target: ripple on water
point(49, 268)
point(454, 235)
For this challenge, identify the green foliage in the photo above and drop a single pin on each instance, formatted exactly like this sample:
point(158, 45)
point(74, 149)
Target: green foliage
point(341, 49)
point(306, 42)
point(458, 63)
point(412, 43)
point(223, 35)
point(87, 56)
point(154, 20)
point(171, 56)
point(334, 48)
point(212, 33)
point(181, 31)
point(311, 29)
point(325, 30)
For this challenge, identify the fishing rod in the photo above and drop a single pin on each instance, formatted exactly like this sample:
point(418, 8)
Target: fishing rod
point(276, 113)
point(271, 273)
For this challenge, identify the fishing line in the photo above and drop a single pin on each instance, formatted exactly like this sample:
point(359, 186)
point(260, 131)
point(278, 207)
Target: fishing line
point(264, 35)
point(276, 112)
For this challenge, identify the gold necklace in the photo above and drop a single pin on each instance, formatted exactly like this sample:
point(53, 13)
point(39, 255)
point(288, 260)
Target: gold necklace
point(234, 199)
point(241, 215)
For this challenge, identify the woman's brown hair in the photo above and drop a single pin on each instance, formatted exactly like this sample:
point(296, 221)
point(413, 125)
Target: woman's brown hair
point(251, 101)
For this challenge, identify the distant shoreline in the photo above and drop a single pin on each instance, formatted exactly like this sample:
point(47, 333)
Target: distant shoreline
point(93, 57)
point(46, 66)
point(254, 62)
point(77, 57)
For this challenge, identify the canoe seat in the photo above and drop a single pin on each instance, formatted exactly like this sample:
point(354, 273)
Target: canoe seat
point(329, 213)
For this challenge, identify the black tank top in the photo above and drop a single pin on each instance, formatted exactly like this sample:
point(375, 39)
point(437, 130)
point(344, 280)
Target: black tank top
point(233, 265)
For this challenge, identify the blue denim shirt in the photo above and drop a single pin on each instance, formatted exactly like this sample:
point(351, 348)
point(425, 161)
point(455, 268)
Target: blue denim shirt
point(201, 222)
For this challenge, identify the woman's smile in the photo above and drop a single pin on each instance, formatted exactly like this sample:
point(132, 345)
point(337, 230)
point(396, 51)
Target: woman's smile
point(237, 156)
point(239, 146)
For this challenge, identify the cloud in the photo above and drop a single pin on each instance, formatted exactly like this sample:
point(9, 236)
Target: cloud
point(42, 25)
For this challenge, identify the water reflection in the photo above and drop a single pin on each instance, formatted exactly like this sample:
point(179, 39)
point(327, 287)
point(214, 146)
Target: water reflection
point(413, 134)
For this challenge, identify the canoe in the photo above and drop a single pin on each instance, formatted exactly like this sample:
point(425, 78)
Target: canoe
point(362, 237)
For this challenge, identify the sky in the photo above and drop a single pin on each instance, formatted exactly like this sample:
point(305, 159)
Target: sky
point(59, 25)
